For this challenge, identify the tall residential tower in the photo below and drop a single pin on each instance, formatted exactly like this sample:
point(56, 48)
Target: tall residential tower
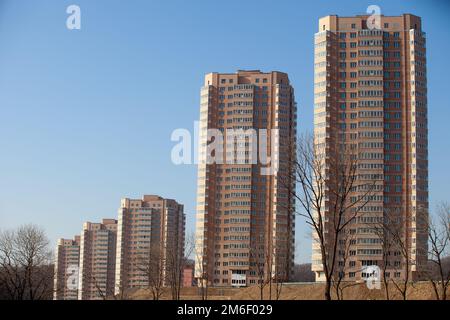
point(67, 258)
point(371, 100)
point(245, 218)
point(97, 260)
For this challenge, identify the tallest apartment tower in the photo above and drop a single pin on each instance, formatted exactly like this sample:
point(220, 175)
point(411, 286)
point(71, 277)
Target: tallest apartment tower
point(371, 98)
point(245, 218)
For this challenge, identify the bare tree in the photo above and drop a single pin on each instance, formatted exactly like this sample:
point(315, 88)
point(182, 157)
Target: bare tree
point(279, 267)
point(123, 294)
point(380, 230)
point(439, 239)
point(176, 262)
point(326, 185)
point(394, 231)
point(281, 271)
point(344, 244)
point(101, 292)
point(269, 265)
point(303, 273)
point(151, 265)
point(201, 271)
point(258, 257)
point(25, 264)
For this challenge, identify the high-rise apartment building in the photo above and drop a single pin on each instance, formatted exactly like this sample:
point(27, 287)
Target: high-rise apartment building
point(371, 101)
point(245, 218)
point(97, 260)
point(67, 257)
point(150, 242)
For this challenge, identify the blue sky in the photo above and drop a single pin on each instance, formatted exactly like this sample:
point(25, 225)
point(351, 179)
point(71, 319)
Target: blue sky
point(86, 116)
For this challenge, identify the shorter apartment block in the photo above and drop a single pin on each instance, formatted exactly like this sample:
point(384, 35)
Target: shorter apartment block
point(97, 260)
point(67, 259)
point(150, 243)
point(188, 275)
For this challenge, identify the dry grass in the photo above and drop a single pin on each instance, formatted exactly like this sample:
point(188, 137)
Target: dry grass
point(304, 291)
point(315, 291)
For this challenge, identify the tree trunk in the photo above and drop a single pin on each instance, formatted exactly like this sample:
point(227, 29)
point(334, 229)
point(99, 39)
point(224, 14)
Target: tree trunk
point(328, 290)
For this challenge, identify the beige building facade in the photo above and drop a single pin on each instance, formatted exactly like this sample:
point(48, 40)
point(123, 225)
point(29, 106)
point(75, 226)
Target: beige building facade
point(371, 100)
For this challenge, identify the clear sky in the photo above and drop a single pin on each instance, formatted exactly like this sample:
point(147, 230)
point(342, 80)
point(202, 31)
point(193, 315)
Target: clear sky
point(86, 116)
